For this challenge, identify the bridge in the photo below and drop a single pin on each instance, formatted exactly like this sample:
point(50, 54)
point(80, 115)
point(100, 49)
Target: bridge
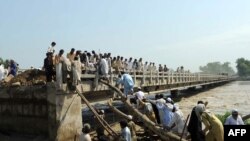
point(153, 82)
point(42, 110)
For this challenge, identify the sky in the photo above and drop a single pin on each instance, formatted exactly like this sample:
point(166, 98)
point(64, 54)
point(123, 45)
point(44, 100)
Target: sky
point(187, 33)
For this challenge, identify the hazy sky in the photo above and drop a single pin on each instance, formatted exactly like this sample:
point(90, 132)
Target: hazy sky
point(173, 32)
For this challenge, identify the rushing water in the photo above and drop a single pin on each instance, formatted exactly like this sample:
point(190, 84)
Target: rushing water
point(234, 95)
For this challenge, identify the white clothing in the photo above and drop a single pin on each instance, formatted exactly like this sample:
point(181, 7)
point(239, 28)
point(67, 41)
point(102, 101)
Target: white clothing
point(145, 67)
point(231, 121)
point(139, 95)
point(85, 137)
point(154, 69)
point(129, 66)
point(104, 67)
point(126, 134)
point(2, 71)
point(160, 103)
point(59, 69)
point(149, 68)
point(139, 66)
point(5, 73)
point(92, 59)
point(77, 71)
point(51, 49)
point(67, 63)
point(178, 120)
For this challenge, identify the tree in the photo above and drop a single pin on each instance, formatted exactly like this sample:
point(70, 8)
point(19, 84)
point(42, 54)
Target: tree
point(243, 67)
point(217, 67)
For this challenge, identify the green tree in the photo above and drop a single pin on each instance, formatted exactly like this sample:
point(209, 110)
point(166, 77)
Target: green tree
point(217, 67)
point(243, 67)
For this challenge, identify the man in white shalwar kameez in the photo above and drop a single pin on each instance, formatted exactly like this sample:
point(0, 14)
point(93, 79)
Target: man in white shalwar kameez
point(177, 122)
point(59, 59)
point(104, 68)
point(234, 118)
point(77, 71)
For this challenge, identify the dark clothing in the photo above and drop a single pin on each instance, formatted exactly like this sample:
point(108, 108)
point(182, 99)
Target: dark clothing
point(156, 113)
point(48, 66)
point(195, 128)
point(13, 69)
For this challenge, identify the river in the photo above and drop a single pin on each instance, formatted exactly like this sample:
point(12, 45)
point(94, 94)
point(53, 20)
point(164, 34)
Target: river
point(234, 95)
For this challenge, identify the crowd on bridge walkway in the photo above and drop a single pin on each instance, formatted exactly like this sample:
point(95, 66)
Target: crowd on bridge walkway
point(59, 65)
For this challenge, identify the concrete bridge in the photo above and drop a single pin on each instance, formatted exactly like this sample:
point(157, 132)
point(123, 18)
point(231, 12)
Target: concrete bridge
point(56, 115)
point(153, 82)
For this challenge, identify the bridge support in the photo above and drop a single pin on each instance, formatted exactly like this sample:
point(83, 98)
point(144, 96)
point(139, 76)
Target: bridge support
point(174, 93)
point(191, 89)
point(205, 87)
point(64, 114)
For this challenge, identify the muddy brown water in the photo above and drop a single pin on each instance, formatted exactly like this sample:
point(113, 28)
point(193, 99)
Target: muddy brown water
point(234, 95)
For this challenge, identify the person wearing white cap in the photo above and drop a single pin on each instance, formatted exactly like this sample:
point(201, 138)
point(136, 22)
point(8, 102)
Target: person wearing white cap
point(132, 127)
point(139, 96)
point(169, 100)
point(165, 111)
point(234, 118)
point(177, 123)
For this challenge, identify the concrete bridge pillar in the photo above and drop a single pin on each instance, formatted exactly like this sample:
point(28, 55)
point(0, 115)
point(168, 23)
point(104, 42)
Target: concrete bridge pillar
point(64, 114)
point(204, 87)
point(191, 89)
point(174, 93)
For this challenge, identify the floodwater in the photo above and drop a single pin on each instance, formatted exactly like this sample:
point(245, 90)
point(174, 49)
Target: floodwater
point(234, 95)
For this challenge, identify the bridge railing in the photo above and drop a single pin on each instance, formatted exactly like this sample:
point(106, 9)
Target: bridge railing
point(147, 78)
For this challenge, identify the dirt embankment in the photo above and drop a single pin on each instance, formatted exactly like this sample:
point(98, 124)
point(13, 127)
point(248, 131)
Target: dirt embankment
point(28, 77)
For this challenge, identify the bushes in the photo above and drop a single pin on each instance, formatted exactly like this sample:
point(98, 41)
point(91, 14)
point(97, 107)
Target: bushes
point(223, 118)
point(247, 122)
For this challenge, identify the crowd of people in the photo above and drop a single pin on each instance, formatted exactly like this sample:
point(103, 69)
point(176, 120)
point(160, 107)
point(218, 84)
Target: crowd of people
point(76, 62)
point(165, 113)
point(162, 110)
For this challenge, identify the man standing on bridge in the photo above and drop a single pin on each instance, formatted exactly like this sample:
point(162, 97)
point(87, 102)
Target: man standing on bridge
point(128, 83)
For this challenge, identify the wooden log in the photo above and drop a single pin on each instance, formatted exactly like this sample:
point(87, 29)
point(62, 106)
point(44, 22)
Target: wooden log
point(115, 110)
point(105, 125)
point(163, 134)
point(246, 117)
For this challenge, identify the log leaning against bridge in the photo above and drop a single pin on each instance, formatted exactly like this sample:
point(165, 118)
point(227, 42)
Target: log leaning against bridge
point(246, 117)
point(147, 122)
point(100, 120)
point(115, 110)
